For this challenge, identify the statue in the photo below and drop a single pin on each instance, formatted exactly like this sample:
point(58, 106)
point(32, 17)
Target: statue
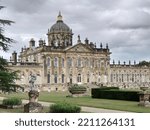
point(79, 40)
point(32, 79)
point(33, 106)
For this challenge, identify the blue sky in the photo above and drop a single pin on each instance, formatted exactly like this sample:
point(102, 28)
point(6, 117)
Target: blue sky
point(123, 24)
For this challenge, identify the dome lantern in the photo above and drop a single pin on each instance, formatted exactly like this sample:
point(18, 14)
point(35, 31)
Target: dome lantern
point(59, 17)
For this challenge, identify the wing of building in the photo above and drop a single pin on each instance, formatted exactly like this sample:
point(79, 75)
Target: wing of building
point(58, 63)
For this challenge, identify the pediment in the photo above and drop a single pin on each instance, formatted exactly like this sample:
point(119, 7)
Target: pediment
point(79, 48)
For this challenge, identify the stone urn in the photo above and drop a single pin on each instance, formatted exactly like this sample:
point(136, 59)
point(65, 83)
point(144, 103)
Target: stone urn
point(144, 89)
point(33, 106)
point(144, 97)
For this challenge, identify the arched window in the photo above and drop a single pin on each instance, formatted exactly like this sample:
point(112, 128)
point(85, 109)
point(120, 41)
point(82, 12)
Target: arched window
point(127, 77)
point(55, 62)
point(92, 62)
point(79, 62)
point(88, 78)
point(99, 79)
point(87, 62)
point(48, 62)
point(70, 78)
point(116, 77)
point(132, 77)
point(48, 78)
point(63, 78)
point(55, 78)
point(122, 77)
point(63, 62)
point(99, 63)
point(102, 64)
point(69, 62)
point(111, 77)
point(79, 78)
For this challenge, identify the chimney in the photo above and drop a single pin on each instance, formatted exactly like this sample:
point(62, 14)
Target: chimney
point(86, 41)
point(32, 43)
point(14, 57)
point(41, 42)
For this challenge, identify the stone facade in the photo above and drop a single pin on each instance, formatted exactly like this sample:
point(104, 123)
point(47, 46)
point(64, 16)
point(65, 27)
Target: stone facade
point(59, 63)
point(129, 76)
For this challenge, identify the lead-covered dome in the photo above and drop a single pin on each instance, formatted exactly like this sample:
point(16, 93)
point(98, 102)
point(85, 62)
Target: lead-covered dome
point(59, 35)
point(59, 26)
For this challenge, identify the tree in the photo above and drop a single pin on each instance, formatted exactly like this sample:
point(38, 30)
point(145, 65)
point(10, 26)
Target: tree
point(4, 41)
point(7, 76)
point(144, 63)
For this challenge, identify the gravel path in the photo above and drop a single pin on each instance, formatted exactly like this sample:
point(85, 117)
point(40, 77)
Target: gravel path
point(85, 109)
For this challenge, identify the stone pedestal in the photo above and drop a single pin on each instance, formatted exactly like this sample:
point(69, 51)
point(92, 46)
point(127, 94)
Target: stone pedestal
point(144, 98)
point(33, 106)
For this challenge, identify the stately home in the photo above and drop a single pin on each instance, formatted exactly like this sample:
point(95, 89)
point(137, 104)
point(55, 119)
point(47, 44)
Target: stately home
point(59, 63)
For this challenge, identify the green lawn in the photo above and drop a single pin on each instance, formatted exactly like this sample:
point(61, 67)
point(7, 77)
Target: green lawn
point(86, 101)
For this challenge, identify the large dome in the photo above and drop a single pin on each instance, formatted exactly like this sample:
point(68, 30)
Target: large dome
point(60, 26)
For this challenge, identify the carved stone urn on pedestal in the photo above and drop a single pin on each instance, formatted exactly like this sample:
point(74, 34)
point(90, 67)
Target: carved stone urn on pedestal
point(33, 106)
point(144, 97)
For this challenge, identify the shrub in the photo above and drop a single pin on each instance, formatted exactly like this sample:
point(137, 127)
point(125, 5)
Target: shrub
point(64, 107)
point(115, 94)
point(77, 89)
point(12, 101)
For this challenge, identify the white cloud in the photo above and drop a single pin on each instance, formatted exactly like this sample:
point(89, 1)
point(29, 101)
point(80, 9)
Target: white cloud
point(124, 24)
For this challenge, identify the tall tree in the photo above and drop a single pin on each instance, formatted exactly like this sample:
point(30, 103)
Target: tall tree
point(7, 76)
point(4, 41)
point(144, 63)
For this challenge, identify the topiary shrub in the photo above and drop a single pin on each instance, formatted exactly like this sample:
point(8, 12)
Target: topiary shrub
point(77, 89)
point(64, 107)
point(12, 101)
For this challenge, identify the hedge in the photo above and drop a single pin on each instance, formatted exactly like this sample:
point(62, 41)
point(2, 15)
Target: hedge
point(108, 88)
point(64, 107)
point(115, 94)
